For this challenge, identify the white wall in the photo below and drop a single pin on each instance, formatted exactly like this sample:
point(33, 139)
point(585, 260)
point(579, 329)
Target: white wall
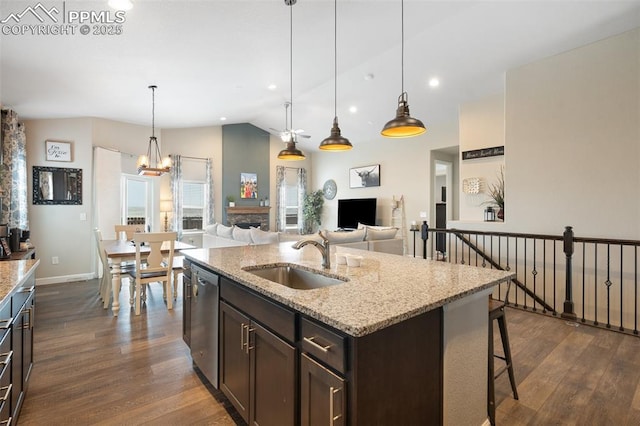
point(58, 230)
point(404, 170)
point(200, 142)
point(573, 141)
point(481, 126)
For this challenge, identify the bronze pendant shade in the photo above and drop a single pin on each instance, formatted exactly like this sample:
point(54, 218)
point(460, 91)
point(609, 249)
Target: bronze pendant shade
point(291, 152)
point(403, 125)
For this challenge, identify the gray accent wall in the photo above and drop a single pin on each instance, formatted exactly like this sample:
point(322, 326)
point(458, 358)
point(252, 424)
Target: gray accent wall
point(245, 149)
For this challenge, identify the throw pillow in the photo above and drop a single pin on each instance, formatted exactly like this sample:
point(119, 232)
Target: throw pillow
point(381, 234)
point(337, 237)
point(211, 229)
point(240, 234)
point(263, 237)
point(224, 231)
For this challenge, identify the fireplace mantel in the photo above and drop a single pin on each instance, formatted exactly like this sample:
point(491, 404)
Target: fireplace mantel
point(248, 210)
point(249, 215)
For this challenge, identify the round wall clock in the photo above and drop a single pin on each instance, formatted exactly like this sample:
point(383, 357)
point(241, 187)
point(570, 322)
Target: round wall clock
point(330, 188)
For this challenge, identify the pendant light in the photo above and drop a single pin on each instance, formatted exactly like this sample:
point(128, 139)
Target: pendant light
point(403, 125)
point(153, 164)
point(291, 152)
point(335, 141)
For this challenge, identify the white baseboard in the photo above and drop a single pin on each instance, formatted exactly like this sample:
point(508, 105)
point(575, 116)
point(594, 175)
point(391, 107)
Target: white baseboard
point(65, 278)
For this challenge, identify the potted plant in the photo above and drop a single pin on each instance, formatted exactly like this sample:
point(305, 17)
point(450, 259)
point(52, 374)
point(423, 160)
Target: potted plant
point(496, 193)
point(312, 210)
point(232, 200)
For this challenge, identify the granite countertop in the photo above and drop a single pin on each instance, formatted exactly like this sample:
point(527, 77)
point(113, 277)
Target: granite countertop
point(386, 289)
point(13, 273)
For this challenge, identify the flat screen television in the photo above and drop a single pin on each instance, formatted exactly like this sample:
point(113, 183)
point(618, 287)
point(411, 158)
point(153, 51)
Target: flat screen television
point(356, 210)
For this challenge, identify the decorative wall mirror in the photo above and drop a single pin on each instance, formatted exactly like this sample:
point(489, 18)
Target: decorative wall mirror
point(57, 185)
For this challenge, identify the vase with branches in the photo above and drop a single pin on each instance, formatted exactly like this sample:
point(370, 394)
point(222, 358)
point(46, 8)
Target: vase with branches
point(495, 191)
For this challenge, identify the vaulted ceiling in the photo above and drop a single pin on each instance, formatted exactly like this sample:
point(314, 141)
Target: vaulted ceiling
point(213, 59)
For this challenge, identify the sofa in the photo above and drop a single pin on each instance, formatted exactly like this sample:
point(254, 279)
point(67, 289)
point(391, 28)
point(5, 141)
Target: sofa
point(372, 238)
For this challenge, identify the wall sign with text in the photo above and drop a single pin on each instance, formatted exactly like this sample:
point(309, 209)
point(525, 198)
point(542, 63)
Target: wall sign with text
point(482, 153)
point(58, 151)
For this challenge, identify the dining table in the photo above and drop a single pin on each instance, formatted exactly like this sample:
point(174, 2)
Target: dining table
point(121, 251)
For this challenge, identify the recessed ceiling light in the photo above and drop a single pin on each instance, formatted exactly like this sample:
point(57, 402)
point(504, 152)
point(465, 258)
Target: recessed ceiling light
point(223, 118)
point(272, 87)
point(434, 82)
point(120, 4)
point(353, 109)
point(369, 77)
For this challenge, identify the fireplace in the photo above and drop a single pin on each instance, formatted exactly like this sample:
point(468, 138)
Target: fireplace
point(248, 216)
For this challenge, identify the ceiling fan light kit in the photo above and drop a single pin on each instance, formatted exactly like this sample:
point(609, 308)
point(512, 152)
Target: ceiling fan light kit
point(403, 125)
point(153, 157)
point(290, 153)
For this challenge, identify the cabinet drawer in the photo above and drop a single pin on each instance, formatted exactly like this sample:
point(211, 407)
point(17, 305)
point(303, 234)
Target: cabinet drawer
point(5, 318)
point(5, 361)
point(275, 317)
point(323, 344)
point(21, 295)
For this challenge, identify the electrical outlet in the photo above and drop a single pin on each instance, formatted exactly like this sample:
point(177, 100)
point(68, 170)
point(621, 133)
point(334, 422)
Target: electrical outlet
point(55, 260)
point(423, 215)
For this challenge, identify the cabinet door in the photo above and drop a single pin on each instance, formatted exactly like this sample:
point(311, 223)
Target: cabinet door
point(322, 394)
point(186, 306)
point(273, 379)
point(234, 358)
point(16, 365)
point(28, 315)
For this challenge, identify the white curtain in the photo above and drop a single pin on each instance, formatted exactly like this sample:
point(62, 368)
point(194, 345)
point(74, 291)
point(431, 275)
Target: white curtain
point(281, 202)
point(176, 192)
point(302, 191)
point(107, 172)
point(209, 218)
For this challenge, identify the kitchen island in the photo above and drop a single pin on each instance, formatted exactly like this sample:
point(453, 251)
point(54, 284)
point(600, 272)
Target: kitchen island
point(401, 341)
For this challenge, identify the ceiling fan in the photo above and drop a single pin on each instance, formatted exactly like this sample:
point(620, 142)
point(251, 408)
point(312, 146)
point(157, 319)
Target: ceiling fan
point(287, 134)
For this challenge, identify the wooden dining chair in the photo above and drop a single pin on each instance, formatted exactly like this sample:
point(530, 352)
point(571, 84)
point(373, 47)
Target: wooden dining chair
point(127, 231)
point(108, 269)
point(152, 266)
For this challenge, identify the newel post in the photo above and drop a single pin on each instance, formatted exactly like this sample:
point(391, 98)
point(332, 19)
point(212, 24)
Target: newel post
point(568, 311)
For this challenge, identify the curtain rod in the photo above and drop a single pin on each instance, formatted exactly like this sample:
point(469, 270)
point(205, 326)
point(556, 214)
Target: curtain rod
point(191, 158)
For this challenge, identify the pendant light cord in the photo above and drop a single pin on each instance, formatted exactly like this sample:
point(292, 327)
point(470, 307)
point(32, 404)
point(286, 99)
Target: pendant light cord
point(291, 67)
point(153, 111)
point(402, 42)
point(335, 58)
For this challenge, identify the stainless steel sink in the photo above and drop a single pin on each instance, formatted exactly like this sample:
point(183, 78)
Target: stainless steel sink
point(293, 277)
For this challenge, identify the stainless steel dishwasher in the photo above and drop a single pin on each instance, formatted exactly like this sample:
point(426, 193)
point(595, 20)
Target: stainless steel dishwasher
point(204, 322)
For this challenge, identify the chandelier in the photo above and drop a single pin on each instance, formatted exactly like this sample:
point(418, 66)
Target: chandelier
point(153, 164)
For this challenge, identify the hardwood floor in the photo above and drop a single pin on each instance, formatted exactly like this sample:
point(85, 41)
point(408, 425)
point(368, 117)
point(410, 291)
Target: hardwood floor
point(91, 368)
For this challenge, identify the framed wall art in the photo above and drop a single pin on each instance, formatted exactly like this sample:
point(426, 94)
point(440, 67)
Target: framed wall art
point(58, 151)
point(363, 177)
point(248, 185)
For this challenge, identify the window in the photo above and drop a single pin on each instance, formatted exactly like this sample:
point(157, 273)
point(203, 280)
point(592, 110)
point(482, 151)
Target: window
point(136, 201)
point(192, 205)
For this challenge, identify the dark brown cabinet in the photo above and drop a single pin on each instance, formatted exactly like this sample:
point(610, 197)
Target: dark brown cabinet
point(257, 370)
point(322, 394)
point(17, 314)
point(280, 367)
point(186, 303)
point(23, 310)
